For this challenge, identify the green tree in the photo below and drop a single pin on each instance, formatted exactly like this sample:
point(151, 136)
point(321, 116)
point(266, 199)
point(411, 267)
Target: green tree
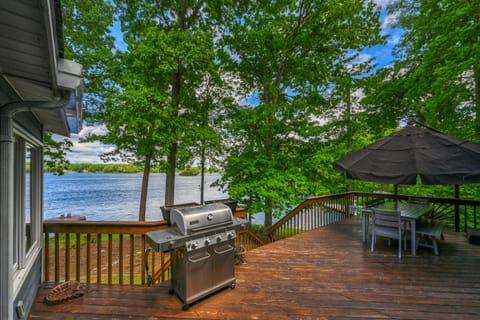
point(436, 74)
point(135, 120)
point(55, 152)
point(169, 54)
point(287, 53)
point(88, 40)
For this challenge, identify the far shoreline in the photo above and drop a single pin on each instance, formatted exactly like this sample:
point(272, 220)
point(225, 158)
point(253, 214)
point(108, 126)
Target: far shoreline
point(122, 168)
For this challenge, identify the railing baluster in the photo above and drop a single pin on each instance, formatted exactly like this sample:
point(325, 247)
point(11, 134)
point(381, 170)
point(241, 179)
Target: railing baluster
point(99, 258)
point(88, 258)
point(120, 261)
point(67, 256)
point(322, 216)
point(162, 263)
point(309, 218)
point(110, 245)
point(57, 257)
point(132, 253)
point(77, 256)
point(142, 261)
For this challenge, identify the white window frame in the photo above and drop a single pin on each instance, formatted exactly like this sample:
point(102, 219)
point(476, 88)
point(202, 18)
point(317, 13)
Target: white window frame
point(23, 259)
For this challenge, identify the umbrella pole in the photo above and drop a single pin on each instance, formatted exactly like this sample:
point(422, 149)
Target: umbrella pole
point(395, 189)
point(457, 210)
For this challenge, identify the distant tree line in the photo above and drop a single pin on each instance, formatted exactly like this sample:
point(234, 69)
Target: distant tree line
point(118, 168)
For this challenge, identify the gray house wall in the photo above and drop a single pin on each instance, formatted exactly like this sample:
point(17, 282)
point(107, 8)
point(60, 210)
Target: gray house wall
point(29, 289)
point(31, 125)
point(39, 90)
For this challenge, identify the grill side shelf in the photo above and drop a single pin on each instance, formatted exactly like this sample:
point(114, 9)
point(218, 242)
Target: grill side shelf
point(164, 240)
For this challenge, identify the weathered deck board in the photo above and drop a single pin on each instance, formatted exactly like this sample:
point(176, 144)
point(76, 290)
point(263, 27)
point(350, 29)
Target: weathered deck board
point(324, 274)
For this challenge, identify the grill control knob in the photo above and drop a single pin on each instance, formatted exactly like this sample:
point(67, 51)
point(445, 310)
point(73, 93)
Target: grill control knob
point(219, 238)
point(207, 242)
point(194, 245)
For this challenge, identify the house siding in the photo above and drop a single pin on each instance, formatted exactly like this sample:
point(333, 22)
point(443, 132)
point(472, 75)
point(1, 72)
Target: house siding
point(29, 289)
point(28, 122)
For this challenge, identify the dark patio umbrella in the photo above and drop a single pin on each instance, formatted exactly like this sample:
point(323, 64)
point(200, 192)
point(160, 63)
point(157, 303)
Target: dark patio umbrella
point(415, 151)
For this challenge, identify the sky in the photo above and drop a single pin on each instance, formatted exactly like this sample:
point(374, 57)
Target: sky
point(90, 152)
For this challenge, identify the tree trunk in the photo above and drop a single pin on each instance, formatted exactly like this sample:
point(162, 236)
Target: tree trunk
point(268, 214)
point(170, 178)
point(267, 144)
point(176, 87)
point(143, 195)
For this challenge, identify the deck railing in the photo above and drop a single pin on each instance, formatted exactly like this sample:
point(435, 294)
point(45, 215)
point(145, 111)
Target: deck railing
point(316, 212)
point(248, 239)
point(313, 213)
point(100, 251)
point(457, 214)
point(115, 252)
point(110, 252)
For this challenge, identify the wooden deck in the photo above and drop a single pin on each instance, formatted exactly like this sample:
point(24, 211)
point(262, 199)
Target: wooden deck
point(324, 274)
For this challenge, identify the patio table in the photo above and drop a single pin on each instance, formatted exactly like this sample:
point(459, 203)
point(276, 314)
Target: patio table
point(410, 212)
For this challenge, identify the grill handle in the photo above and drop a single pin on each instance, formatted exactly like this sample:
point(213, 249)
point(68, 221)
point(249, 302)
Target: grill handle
point(206, 256)
point(221, 224)
point(227, 249)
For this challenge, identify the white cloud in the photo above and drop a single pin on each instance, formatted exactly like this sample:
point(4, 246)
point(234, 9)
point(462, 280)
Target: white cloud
point(88, 152)
point(362, 58)
point(382, 3)
point(96, 130)
point(394, 39)
point(390, 20)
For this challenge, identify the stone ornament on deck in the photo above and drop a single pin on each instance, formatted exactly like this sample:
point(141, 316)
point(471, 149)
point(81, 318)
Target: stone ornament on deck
point(240, 253)
point(64, 292)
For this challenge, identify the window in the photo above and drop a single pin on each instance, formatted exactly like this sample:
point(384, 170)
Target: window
point(29, 234)
point(27, 205)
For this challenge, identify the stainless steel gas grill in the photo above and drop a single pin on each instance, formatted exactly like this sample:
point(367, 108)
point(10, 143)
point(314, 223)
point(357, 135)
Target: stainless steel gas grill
point(201, 242)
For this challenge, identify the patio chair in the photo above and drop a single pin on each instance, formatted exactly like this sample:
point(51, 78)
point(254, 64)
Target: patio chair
point(366, 211)
point(387, 224)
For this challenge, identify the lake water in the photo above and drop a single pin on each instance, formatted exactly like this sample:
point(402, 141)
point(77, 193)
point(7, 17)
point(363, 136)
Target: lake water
point(116, 197)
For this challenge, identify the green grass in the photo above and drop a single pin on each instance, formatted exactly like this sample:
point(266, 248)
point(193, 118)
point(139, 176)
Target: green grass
point(83, 239)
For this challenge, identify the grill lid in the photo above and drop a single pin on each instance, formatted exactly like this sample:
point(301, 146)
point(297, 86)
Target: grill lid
point(194, 220)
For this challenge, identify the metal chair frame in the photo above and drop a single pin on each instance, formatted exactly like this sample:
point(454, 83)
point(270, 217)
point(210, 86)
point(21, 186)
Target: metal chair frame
point(387, 224)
